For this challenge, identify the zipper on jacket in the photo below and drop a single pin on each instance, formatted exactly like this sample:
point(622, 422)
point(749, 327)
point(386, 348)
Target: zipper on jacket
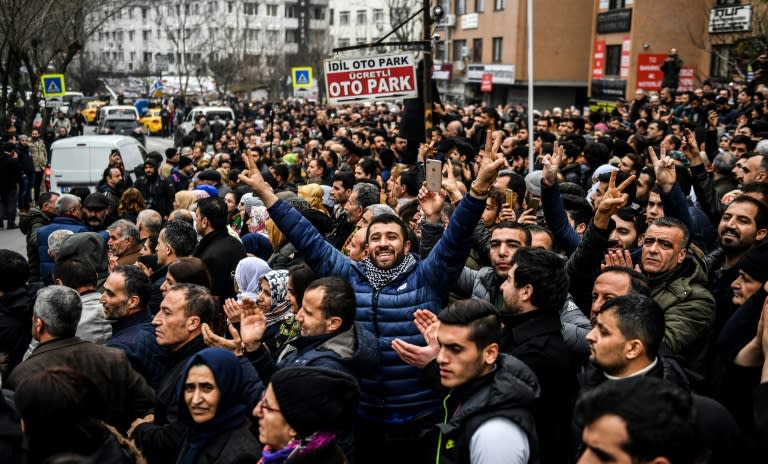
point(445, 421)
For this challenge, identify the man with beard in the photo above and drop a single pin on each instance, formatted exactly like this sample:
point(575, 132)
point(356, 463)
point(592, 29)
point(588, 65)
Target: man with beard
point(96, 213)
point(389, 286)
point(534, 292)
point(743, 225)
point(157, 191)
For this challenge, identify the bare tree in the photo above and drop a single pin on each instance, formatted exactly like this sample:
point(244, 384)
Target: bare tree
point(40, 36)
point(399, 12)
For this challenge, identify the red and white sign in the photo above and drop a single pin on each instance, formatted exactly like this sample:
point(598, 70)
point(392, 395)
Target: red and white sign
point(379, 77)
point(626, 55)
point(598, 60)
point(486, 84)
point(687, 79)
point(649, 75)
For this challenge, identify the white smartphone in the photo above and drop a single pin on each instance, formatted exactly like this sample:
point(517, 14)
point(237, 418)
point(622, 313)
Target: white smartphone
point(434, 175)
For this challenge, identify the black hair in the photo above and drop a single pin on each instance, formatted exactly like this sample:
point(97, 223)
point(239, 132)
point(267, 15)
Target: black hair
point(14, 270)
point(198, 301)
point(545, 272)
point(638, 317)
point(657, 414)
point(300, 276)
point(338, 299)
point(347, 179)
point(596, 154)
point(75, 273)
point(480, 316)
point(215, 210)
point(136, 283)
point(387, 218)
point(668, 221)
point(410, 181)
point(761, 216)
point(537, 229)
point(516, 226)
point(578, 207)
point(368, 166)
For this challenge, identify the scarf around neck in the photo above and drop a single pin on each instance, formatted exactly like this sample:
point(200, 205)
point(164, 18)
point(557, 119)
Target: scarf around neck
point(379, 278)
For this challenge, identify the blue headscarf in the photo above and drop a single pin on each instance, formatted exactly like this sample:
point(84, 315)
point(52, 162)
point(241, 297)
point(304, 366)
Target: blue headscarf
point(230, 412)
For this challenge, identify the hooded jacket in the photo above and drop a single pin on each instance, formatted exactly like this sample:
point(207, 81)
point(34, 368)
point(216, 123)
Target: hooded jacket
point(689, 310)
point(509, 391)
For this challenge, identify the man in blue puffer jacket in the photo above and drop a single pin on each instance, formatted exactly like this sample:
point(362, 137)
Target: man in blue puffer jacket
point(389, 286)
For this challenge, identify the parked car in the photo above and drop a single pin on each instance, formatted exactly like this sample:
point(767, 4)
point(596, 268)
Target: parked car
point(92, 109)
point(224, 113)
point(152, 121)
point(80, 161)
point(123, 125)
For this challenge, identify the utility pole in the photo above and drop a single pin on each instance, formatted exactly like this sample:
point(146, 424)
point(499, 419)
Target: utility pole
point(427, 75)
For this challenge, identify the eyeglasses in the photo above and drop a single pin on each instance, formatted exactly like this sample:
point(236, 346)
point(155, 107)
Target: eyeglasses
point(263, 405)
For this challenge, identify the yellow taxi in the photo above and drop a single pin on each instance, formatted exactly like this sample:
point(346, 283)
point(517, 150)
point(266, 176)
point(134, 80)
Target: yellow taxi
point(91, 110)
point(151, 121)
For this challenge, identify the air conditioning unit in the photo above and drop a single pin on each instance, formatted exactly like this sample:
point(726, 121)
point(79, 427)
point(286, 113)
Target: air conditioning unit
point(465, 52)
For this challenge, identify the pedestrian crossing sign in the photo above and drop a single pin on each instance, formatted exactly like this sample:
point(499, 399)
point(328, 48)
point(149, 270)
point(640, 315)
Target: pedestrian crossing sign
point(53, 85)
point(301, 78)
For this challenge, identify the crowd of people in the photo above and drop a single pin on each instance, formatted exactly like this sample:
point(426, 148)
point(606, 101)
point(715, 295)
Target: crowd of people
point(286, 288)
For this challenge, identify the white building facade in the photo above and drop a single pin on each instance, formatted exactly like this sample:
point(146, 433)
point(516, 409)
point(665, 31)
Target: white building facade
point(186, 36)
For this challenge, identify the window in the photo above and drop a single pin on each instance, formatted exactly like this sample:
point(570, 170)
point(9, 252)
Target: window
point(290, 11)
point(145, 35)
point(343, 18)
point(460, 7)
point(459, 47)
point(615, 4)
point(721, 57)
point(130, 35)
point(343, 43)
point(330, 18)
point(130, 13)
point(477, 50)
point(612, 60)
point(230, 7)
point(271, 10)
point(147, 57)
point(378, 15)
point(292, 36)
point(251, 9)
point(133, 57)
point(498, 42)
point(479, 6)
point(727, 2)
point(318, 13)
point(144, 13)
point(360, 41)
point(498, 5)
point(362, 17)
point(253, 34)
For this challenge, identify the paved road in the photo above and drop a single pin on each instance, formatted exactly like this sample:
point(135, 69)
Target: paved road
point(16, 241)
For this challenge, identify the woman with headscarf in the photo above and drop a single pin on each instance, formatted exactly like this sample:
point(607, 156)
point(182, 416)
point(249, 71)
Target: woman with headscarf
point(211, 394)
point(272, 301)
point(248, 274)
point(302, 411)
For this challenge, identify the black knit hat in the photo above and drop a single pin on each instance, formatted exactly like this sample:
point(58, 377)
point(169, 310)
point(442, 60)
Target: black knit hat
point(314, 399)
point(753, 263)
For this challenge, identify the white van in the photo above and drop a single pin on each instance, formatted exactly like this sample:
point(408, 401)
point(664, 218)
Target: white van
point(224, 113)
point(80, 161)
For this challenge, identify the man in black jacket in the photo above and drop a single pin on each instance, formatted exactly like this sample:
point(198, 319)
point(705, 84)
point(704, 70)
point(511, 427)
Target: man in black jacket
point(218, 250)
point(158, 192)
point(534, 292)
point(489, 411)
point(16, 300)
point(10, 176)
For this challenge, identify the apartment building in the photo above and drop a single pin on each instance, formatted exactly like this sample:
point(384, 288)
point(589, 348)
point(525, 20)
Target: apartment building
point(357, 22)
point(176, 36)
point(489, 38)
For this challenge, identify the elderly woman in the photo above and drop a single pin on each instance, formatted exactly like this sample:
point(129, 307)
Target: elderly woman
point(211, 393)
point(248, 274)
point(302, 411)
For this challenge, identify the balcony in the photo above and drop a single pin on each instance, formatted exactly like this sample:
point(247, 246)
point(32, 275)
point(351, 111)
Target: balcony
point(291, 23)
point(318, 24)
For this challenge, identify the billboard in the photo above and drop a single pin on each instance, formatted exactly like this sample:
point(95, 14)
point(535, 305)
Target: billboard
point(379, 77)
